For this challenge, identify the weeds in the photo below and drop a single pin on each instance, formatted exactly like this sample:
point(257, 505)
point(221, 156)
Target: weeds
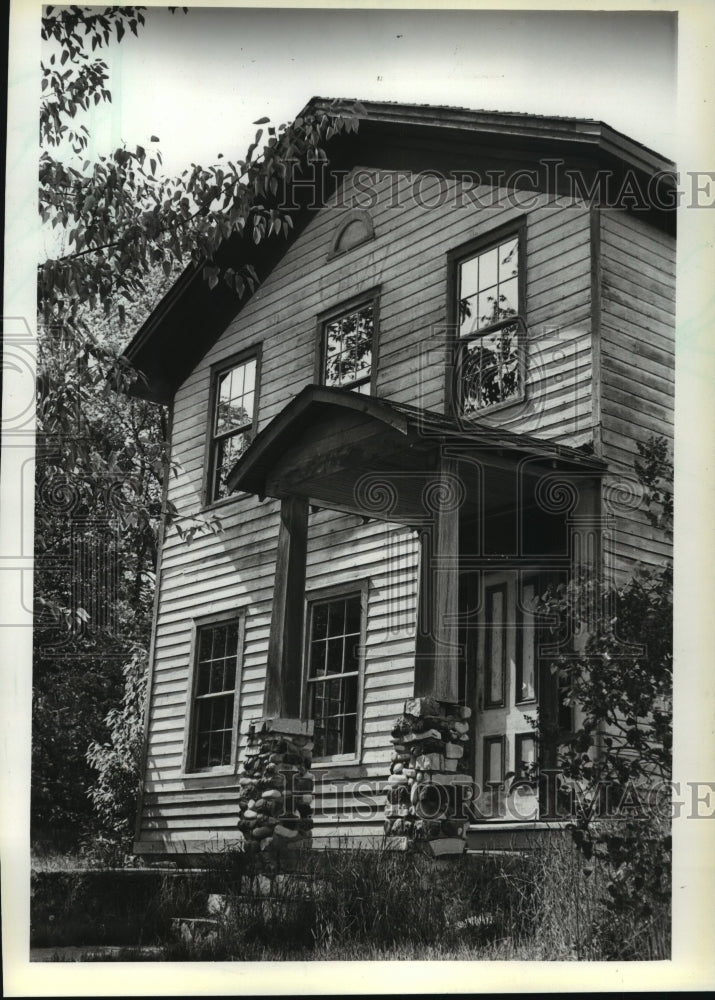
point(546, 902)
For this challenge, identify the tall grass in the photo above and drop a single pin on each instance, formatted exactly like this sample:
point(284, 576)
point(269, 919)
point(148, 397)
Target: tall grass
point(545, 902)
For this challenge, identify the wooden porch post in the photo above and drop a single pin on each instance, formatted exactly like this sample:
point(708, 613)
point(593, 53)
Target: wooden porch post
point(285, 643)
point(436, 663)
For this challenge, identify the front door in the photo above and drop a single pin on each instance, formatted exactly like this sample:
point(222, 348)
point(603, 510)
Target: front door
point(506, 687)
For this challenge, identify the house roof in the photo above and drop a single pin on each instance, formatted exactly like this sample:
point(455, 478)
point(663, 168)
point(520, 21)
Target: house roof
point(329, 439)
point(190, 318)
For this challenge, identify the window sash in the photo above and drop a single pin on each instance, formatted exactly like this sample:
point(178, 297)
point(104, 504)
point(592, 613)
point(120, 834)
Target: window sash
point(489, 302)
point(245, 373)
point(360, 378)
point(335, 711)
point(216, 655)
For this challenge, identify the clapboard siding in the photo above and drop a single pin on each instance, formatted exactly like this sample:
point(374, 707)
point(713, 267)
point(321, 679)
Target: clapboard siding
point(234, 569)
point(637, 346)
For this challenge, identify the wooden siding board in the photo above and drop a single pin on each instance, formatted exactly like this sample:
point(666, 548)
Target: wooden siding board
point(638, 365)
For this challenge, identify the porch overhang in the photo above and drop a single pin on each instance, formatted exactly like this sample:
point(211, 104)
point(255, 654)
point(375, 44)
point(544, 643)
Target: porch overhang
point(368, 456)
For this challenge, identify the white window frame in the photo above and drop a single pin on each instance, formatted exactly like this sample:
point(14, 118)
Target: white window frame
point(319, 596)
point(189, 768)
point(212, 438)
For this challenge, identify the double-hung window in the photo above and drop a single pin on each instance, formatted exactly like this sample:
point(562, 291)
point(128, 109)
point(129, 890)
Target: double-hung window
point(233, 419)
point(336, 638)
point(212, 724)
point(489, 319)
point(347, 346)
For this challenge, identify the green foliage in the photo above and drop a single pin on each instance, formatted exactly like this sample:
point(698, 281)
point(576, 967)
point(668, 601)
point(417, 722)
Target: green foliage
point(121, 216)
point(127, 231)
point(101, 460)
point(618, 761)
point(118, 760)
point(655, 474)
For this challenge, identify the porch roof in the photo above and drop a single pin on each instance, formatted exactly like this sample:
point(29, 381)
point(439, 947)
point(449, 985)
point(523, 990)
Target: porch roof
point(328, 444)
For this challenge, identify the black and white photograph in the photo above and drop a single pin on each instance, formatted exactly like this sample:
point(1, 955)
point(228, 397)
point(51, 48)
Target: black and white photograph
point(356, 426)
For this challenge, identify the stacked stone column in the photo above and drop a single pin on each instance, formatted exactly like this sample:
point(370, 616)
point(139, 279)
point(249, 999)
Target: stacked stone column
point(276, 786)
point(429, 762)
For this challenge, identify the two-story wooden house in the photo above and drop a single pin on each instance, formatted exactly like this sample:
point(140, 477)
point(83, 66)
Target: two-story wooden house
point(428, 410)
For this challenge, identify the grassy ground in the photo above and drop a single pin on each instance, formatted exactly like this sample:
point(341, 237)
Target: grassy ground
point(350, 905)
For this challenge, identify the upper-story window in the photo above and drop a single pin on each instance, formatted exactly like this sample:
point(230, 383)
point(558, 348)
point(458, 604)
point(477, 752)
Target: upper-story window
point(489, 317)
point(233, 418)
point(347, 341)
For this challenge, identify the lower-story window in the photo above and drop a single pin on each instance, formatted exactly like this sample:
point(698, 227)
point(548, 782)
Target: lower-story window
point(214, 694)
point(335, 642)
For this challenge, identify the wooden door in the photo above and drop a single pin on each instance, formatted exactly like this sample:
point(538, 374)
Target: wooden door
point(503, 681)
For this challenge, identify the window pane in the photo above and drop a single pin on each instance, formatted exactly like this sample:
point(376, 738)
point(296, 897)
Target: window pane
point(228, 452)
point(348, 347)
point(525, 762)
point(488, 269)
point(235, 397)
point(468, 280)
point(490, 369)
point(320, 620)
point(468, 315)
point(488, 308)
point(494, 765)
point(352, 648)
point(525, 678)
point(350, 693)
point(317, 658)
point(508, 298)
point(336, 620)
point(334, 663)
point(352, 616)
point(496, 647)
point(508, 259)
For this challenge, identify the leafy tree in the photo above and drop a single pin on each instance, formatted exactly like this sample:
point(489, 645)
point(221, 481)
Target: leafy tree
point(121, 231)
point(618, 761)
point(118, 759)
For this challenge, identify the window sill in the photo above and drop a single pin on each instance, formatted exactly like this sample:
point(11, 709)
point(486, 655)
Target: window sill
point(223, 502)
point(339, 760)
point(211, 772)
point(487, 411)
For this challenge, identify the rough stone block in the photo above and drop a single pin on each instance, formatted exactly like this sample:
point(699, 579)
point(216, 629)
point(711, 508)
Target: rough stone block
point(444, 845)
point(282, 831)
point(422, 706)
point(453, 751)
point(428, 734)
point(429, 762)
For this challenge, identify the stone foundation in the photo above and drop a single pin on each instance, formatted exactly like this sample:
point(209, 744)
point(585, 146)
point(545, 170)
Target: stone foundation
point(429, 763)
point(276, 803)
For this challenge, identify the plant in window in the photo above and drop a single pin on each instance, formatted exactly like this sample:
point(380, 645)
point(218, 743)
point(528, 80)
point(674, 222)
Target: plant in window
point(233, 422)
point(347, 345)
point(489, 361)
